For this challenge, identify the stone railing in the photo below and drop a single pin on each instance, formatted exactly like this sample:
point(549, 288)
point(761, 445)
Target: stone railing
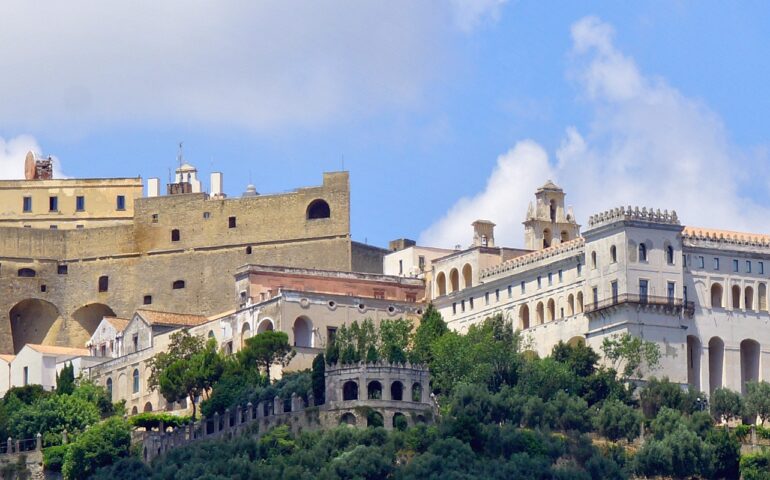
point(633, 214)
point(575, 245)
point(11, 446)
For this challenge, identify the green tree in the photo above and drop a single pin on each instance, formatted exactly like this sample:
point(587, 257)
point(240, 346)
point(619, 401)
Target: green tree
point(634, 354)
point(664, 393)
point(431, 328)
point(757, 401)
point(102, 444)
point(726, 405)
point(65, 380)
point(183, 346)
point(616, 420)
point(50, 416)
point(394, 338)
point(267, 349)
point(580, 358)
point(726, 454)
point(317, 376)
point(756, 466)
point(97, 395)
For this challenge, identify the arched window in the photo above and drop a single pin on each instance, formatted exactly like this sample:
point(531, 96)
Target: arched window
point(454, 280)
point(318, 209)
point(748, 298)
point(524, 317)
point(148, 407)
point(265, 325)
point(397, 391)
point(104, 283)
point(374, 390)
point(547, 238)
point(716, 295)
point(178, 285)
point(736, 296)
point(468, 275)
point(350, 390)
point(348, 419)
point(750, 353)
point(135, 376)
point(670, 255)
point(580, 302)
point(539, 311)
point(109, 388)
point(303, 332)
point(570, 305)
point(593, 259)
point(26, 272)
point(564, 236)
point(552, 209)
point(211, 334)
point(441, 284)
point(416, 392)
point(613, 254)
point(175, 235)
point(551, 310)
point(762, 297)
point(642, 252)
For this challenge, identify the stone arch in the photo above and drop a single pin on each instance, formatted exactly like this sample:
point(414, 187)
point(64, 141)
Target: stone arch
point(693, 361)
point(374, 419)
point(551, 309)
point(669, 254)
point(420, 419)
point(524, 317)
point(716, 295)
point(539, 314)
point(397, 391)
point(564, 236)
point(303, 332)
point(441, 284)
point(399, 421)
point(417, 392)
point(374, 390)
point(245, 333)
point(136, 386)
point(32, 321)
point(749, 362)
point(580, 302)
point(454, 280)
point(570, 305)
point(547, 238)
point(108, 387)
point(147, 407)
point(350, 390)
point(748, 298)
point(762, 297)
point(211, 335)
point(467, 275)
point(265, 325)
point(26, 273)
point(576, 340)
point(716, 363)
point(642, 252)
point(736, 297)
point(348, 418)
point(134, 410)
point(318, 209)
point(89, 316)
point(613, 254)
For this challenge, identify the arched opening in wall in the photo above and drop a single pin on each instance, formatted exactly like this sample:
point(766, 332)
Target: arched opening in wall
point(736, 296)
point(570, 305)
point(693, 361)
point(420, 420)
point(135, 381)
point(397, 391)
point(175, 235)
point(762, 297)
point(318, 209)
point(350, 391)
point(564, 236)
point(211, 334)
point(632, 250)
point(748, 298)
point(642, 252)
point(441, 284)
point(467, 275)
point(580, 302)
point(416, 392)
point(716, 363)
point(613, 254)
point(31, 321)
point(177, 285)
point(266, 325)
point(348, 419)
point(374, 390)
point(669, 254)
point(576, 341)
point(551, 310)
point(104, 283)
point(147, 407)
point(539, 314)
point(134, 410)
point(374, 419)
point(749, 363)
point(26, 273)
point(552, 210)
point(399, 421)
point(454, 280)
point(122, 386)
point(547, 238)
point(303, 332)
point(593, 259)
point(716, 295)
point(245, 333)
point(89, 316)
point(524, 317)
point(108, 386)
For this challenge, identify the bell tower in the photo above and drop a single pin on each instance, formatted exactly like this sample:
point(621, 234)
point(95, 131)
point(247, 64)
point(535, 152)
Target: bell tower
point(548, 223)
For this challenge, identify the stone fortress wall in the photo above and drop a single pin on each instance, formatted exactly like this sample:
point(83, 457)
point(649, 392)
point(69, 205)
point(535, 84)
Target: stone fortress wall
point(178, 254)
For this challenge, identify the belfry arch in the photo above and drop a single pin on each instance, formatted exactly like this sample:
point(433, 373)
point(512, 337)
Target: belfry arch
point(32, 321)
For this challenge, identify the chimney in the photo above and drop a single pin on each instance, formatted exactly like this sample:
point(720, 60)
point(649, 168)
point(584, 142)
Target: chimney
point(153, 187)
point(483, 233)
point(216, 185)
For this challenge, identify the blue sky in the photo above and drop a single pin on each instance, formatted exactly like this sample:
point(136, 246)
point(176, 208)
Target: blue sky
point(443, 111)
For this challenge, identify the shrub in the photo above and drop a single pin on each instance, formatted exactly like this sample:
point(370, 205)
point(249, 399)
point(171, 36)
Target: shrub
point(725, 404)
point(53, 457)
point(756, 466)
point(616, 420)
point(726, 454)
point(100, 445)
point(150, 420)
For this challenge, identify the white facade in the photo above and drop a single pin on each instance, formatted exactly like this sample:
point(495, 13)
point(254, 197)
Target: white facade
point(36, 364)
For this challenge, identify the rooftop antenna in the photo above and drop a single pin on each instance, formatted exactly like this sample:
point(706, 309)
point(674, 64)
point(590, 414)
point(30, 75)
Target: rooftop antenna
point(180, 155)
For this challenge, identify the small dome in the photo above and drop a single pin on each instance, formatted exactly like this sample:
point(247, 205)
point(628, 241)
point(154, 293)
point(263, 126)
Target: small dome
point(251, 191)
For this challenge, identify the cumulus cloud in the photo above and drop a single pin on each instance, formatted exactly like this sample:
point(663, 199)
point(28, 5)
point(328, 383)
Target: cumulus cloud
point(13, 152)
point(252, 65)
point(647, 144)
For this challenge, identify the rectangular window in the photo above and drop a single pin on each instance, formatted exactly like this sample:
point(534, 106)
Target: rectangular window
point(510, 291)
point(26, 376)
point(561, 276)
point(400, 267)
point(643, 284)
point(486, 298)
point(206, 215)
point(614, 286)
point(27, 204)
point(701, 262)
point(470, 301)
point(154, 218)
point(579, 269)
point(53, 204)
point(54, 227)
point(539, 281)
point(735, 265)
point(550, 278)
point(135, 341)
point(454, 308)
point(497, 295)
point(421, 262)
point(147, 300)
point(80, 203)
point(231, 222)
point(716, 263)
point(121, 202)
point(748, 266)
point(670, 292)
point(684, 260)
point(761, 268)
point(331, 334)
point(684, 293)
point(61, 269)
point(523, 286)
point(595, 292)
point(462, 306)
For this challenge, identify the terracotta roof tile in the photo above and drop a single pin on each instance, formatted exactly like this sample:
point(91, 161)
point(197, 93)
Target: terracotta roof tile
point(57, 350)
point(7, 358)
point(714, 234)
point(155, 317)
point(118, 323)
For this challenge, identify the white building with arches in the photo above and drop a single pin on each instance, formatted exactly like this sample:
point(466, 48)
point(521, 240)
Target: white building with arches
point(700, 294)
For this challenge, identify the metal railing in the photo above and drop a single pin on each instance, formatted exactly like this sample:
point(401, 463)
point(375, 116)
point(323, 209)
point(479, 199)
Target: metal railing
point(676, 304)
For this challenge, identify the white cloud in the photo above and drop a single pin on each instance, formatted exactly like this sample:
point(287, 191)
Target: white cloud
point(12, 154)
point(647, 144)
point(253, 65)
point(469, 14)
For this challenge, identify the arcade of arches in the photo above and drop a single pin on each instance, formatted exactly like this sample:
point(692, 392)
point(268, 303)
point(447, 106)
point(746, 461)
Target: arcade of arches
point(724, 364)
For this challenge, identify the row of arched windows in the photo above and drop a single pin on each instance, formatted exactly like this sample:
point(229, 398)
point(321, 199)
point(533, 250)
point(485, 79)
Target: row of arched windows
point(739, 298)
point(546, 312)
point(454, 280)
point(374, 391)
point(750, 351)
point(636, 253)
